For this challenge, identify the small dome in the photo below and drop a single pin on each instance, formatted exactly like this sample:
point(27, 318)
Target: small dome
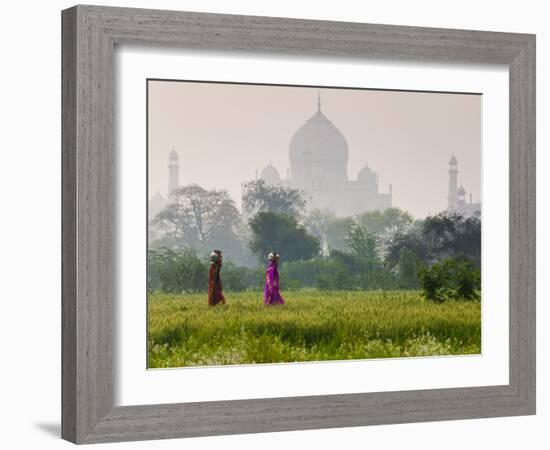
point(366, 176)
point(157, 203)
point(270, 174)
point(174, 155)
point(158, 197)
point(453, 160)
point(461, 191)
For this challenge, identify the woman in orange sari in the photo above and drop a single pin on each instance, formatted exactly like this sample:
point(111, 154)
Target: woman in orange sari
point(215, 292)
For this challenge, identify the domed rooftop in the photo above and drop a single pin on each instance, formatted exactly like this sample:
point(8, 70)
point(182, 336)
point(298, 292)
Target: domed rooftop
point(318, 141)
point(157, 203)
point(270, 174)
point(453, 160)
point(461, 191)
point(366, 176)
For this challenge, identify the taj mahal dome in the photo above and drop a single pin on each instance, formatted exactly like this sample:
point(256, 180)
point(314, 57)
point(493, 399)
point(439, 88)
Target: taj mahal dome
point(318, 156)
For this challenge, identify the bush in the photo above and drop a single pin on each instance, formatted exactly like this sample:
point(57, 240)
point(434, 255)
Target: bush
point(468, 281)
point(323, 273)
point(450, 279)
point(300, 273)
point(407, 270)
point(176, 271)
point(335, 276)
point(181, 271)
point(240, 278)
point(338, 272)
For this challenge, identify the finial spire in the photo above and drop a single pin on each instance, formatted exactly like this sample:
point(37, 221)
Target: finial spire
point(318, 101)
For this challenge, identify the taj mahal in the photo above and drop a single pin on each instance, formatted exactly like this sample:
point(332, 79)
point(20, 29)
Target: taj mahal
point(318, 155)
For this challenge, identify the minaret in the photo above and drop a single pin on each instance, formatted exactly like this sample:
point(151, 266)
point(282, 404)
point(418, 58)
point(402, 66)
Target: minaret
point(173, 171)
point(453, 194)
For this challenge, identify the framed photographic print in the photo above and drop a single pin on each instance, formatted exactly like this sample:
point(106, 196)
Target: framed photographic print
point(267, 222)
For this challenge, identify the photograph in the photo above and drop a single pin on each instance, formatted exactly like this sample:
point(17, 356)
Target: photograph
point(300, 224)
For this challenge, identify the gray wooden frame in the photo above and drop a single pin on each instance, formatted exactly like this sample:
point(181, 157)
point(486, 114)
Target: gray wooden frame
point(89, 36)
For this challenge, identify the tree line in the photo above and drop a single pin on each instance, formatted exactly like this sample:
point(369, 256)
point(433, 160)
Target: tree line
point(373, 250)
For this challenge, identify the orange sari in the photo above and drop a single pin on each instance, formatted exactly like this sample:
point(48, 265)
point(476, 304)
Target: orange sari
point(215, 292)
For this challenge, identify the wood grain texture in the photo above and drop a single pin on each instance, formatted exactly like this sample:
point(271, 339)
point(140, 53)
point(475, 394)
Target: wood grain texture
point(89, 36)
point(68, 226)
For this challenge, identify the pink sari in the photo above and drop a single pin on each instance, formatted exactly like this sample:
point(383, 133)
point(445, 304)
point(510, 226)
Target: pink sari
point(272, 295)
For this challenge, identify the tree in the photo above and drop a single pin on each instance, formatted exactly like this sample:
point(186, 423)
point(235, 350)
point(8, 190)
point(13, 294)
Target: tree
point(318, 223)
point(259, 196)
point(337, 231)
point(385, 224)
point(362, 243)
point(407, 270)
point(206, 213)
point(199, 218)
point(168, 229)
point(366, 260)
point(279, 232)
point(450, 234)
point(411, 242)
point(426, 242)
point(469, 240)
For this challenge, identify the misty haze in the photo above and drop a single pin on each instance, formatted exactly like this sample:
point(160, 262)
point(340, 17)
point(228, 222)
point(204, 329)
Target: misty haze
point(226, 134)
point(355, 213)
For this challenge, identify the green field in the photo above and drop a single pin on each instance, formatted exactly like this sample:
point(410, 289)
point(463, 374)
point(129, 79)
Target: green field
point(312, 326)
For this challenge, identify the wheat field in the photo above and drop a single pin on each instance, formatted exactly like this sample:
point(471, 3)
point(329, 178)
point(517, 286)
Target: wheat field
point(313, 325)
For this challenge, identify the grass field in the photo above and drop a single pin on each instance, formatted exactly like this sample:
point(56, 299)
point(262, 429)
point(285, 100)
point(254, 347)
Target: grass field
point(312, 326)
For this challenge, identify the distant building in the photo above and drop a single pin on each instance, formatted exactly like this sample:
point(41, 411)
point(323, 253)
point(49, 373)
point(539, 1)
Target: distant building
point(318, 154)
point(456, 200)
point(173, 171)
point(158, 201)
point(156, 204)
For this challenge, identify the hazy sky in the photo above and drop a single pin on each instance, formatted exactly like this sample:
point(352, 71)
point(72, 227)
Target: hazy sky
point(224, 133)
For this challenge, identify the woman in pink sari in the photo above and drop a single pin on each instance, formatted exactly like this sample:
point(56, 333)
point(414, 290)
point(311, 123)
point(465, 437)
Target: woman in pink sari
point(272, 295)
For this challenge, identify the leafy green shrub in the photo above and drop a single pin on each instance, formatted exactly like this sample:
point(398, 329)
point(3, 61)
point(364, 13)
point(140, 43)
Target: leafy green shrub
point(407, 270)
point(300, 273)
point(293, 285)
point(450, 279)
point(334, 276)
point(240, 278)
point(176, 271)
point(327, 273)
point(338, 272)
point(468, 281)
